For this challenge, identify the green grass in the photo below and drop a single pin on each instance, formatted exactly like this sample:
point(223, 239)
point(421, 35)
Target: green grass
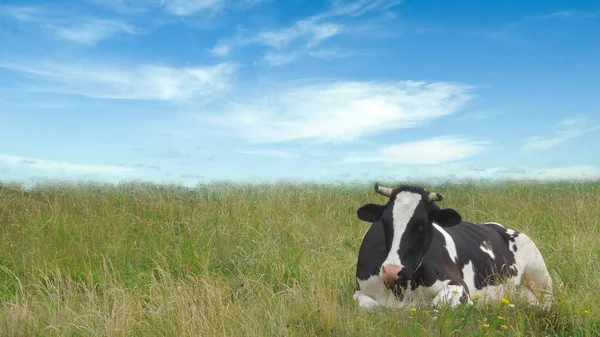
point(263, 260)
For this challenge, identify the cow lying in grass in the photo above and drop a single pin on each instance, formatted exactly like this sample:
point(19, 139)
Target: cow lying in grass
point(416, 251)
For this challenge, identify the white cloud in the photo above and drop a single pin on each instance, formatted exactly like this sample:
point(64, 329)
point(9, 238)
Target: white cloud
point(147, 82)
point(570, 14)
point(359, 7)
point(67, 25)
point(569, 128)
point(90, 31)
point(292, 42)
point(220, 49)
point(21, 13)
point(314, 32)
point(457, 171)
point(567, 172)
point(327, 54)
point(269, 153)
point(564, 172)
point(127, 6)
point(430, 151)
point(341, 111)
point(277, 59)
point(189, 7)
point(62, 167)
point(175, 7)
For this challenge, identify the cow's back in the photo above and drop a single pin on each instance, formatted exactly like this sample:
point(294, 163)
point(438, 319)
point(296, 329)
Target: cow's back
point(485, 251)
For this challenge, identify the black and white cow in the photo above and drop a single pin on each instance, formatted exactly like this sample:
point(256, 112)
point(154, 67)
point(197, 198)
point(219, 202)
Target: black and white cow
point(415, 251)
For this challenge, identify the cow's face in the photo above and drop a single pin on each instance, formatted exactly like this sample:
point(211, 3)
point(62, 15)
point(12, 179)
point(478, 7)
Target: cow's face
point(407, 220)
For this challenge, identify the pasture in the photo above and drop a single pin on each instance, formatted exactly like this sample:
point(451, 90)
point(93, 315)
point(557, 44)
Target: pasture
point(264, 260)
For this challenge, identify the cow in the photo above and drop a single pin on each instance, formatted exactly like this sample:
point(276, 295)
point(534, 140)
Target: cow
point(416, 251)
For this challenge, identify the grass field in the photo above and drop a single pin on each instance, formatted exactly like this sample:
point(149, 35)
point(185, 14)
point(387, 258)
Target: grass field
point(263, 260)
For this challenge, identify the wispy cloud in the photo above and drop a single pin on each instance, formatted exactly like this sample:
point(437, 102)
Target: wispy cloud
point(173, 7)
point(90, 31)
point(69, 26)
point(220, 49)
point(269, 153)
point(62, 167)
point(340, 111)
point(21, 13)
point(480, 114)
point(568, 129)
point(514, 32)
point(305, 36)
point(170, 153)
point(567, 14)
point(457, 170)
point(430, 151)
point(147, 82)
point(189, 7)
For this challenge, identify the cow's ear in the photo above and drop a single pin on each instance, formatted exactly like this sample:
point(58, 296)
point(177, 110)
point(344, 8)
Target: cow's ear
point(370, 212)
point(446, 217)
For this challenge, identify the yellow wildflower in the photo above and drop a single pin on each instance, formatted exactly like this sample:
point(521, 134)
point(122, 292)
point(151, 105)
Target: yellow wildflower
point(500, 317)
point(505, 301)
point(476, 297)
point(485, 325)
point(455, 291)
point(504, 327)
point(413, 309)
point(586, 312)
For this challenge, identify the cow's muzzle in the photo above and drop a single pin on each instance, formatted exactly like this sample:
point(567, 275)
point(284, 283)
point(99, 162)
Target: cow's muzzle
point(390, 272)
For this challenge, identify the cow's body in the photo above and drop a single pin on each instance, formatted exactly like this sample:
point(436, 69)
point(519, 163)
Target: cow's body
point(461, 261)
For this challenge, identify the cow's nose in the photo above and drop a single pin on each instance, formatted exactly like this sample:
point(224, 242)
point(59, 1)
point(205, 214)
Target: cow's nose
point(390, 272)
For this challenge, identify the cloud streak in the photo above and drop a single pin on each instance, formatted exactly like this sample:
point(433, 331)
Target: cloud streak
point(147, 82)
point(304, 37)
point(269, 153)
point(569, 128)
point(62, 167)
point(190, 7)
point(432, 151)
point(174, 7)
point(69, 26)
point(91, 31)
point(459, 171)
point(339, 111)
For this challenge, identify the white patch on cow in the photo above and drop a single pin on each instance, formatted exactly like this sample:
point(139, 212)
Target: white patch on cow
point(485, 247)
point(532, 271)
point(373, 293)
point(442, 292)
point(494, 223)
point(404, 208)
point(469, 276)
point(450, 246)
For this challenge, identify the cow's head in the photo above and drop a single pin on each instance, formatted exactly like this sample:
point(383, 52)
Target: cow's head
point(407, 219)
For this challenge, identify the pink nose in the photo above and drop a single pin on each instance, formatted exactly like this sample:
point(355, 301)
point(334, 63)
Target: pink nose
point(390, 272)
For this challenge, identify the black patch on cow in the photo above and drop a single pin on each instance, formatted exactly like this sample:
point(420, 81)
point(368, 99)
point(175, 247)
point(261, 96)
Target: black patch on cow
point(372, 252)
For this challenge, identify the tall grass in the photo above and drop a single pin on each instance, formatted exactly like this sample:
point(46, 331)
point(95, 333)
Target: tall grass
point(263, 260)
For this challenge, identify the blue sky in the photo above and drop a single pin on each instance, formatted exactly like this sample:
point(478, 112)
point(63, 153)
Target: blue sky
point(188, 91)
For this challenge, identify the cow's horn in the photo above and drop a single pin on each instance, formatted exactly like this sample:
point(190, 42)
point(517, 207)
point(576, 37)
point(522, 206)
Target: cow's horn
point(386, 191)
point(433, 196)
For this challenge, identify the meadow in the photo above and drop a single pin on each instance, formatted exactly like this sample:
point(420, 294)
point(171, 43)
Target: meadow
point(228, 259)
